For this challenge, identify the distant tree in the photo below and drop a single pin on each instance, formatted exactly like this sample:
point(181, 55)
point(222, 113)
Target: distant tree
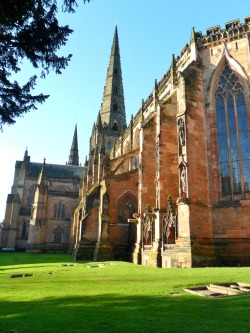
point(29, 29)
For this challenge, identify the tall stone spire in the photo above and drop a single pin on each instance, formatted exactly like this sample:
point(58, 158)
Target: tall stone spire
point(113, 116)
point(74, 157)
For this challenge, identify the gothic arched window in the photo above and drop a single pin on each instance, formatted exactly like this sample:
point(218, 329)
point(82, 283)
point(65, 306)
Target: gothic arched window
point(59, 210)
point(63, 212)
point(58, 232)
point(126, 209)
point(24, 229)
point(55, 210)
point(233, 134)
point(115, 127)
point(115, 107)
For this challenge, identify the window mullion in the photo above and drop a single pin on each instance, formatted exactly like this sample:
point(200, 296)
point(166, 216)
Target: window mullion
point(238, 143)
point(229, 148)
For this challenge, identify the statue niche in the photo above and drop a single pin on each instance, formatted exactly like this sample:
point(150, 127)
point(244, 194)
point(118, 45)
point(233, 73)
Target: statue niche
point(169, 227)
point(183, 178)
point(181, 135)
point(148, 226)
point(105, 205)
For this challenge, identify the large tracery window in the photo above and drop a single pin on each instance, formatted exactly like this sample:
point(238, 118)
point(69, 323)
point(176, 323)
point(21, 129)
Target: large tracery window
point(126, 209)
point(233, 134)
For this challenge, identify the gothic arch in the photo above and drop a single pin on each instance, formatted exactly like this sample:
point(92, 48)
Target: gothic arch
point(226, 59)
point(123, 194)
point(126, 206)
point(115, 126)
point(62, 188)
point(229, 107)
point(58, 235)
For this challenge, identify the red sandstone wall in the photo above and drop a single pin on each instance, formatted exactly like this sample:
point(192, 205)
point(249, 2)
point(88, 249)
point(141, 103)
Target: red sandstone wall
point(168, 155)
point(147, 190)
point(198, 184)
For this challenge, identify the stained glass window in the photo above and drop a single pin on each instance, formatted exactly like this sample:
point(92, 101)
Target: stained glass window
point(233, 134)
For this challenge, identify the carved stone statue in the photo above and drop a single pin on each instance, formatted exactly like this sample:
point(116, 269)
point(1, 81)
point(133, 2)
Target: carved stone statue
point(105, 205)
point(181, 130)
point(183, 179)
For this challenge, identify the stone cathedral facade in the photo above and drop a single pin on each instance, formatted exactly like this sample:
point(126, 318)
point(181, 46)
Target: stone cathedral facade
point(172, 187)
point(41, 203)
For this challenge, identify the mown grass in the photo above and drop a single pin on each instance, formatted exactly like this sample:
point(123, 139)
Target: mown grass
point(121, 297)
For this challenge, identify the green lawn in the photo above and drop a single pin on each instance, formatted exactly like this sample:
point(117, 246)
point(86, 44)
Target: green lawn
point(120, 297)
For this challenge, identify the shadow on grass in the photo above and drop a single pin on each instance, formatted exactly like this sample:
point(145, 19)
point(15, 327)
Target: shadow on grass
point(135, 314)
point(22, 267)
point(23, 258)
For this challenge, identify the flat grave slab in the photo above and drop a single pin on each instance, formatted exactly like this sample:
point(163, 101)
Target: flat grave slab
point(221, 289)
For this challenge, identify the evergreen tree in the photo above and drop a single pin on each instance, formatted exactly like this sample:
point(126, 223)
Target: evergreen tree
point(29, 29)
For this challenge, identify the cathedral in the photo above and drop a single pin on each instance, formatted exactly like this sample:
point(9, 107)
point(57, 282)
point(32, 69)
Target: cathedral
point(42, 200)
point(169, 189)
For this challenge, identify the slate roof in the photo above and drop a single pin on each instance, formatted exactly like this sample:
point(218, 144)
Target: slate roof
point(53, 170)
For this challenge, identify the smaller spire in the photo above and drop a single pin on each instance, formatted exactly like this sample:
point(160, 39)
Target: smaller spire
point(74, 157)
point(193, 45)
point(25, 154)
point(42, 178)
point(26, 157)
point(193, 37)
point(173, 70)
point(131, 120)
point(156, 85)
point(142, 109)
point(156, 91)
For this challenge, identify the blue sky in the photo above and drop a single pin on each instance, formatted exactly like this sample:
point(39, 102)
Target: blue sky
point(150, 31)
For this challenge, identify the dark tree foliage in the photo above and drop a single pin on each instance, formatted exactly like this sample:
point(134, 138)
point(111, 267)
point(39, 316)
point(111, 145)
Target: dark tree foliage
point(29, 29)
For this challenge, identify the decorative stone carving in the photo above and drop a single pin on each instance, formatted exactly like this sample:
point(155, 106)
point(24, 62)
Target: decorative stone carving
point(181, 136)
point(157, 161)
point(170, 227)
point(105, 205)
point(148, 226)
point(183, 178)
point(181, 132)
